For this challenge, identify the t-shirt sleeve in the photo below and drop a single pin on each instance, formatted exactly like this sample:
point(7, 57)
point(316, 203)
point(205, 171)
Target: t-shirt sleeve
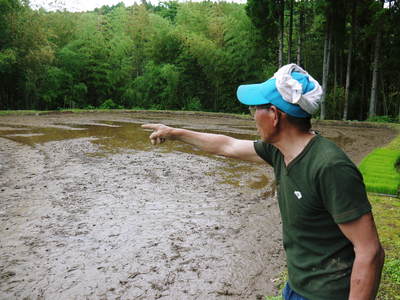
point(343, 192)
point(265, 151)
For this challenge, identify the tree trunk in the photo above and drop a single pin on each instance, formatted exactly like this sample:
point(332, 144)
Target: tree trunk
point(3, 99)
point(325, 70)
point(300, 36)
point(216, 99)
point(374, 86)
point(289, 57)
point(335, 71)
point(363, 96)
point(281, 30)
point(349, 59)
point(384, 98)
point(398, 117)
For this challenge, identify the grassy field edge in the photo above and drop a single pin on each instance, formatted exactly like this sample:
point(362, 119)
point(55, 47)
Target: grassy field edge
point(381, 167)
point(395, 126)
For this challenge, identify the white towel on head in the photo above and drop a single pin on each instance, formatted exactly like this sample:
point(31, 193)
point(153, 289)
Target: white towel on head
point(291, 89)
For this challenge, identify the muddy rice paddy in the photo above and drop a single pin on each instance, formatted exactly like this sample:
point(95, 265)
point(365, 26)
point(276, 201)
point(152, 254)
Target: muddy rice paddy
point(89, 209)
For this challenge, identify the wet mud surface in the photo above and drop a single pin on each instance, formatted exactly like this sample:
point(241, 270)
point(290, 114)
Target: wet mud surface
point(90, 210)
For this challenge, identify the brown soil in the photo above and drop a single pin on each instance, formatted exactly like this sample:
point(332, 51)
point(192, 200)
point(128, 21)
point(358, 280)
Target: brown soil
point(90, 210)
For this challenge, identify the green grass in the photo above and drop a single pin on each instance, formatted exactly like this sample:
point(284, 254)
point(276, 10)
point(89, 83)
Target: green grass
point(20, 112)
point(60, 111)
point(395, 144)
point(387, 218)
point(279, 283)
point(381, 169)
point(134, 109)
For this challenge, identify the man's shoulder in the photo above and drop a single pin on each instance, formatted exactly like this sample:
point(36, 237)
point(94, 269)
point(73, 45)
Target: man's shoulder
point(266, 151)
point(325, 154)
point(328, 150)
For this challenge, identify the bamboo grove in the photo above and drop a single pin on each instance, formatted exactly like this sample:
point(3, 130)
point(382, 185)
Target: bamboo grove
point(193, 55)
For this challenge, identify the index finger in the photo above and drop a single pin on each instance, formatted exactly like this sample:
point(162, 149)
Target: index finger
point(150, 126)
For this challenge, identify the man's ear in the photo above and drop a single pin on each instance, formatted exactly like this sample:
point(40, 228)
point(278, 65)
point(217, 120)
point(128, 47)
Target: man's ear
point(277, 115)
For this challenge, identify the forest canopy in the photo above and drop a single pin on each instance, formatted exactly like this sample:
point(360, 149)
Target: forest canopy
point(193, 55)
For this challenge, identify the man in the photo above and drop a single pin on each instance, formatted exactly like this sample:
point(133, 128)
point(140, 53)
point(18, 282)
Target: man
point(329, 235)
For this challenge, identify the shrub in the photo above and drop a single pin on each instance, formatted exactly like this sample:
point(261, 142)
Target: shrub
point(156, 107)
point(381, 119)
point(334, 104)
point(110, 104)
point(193, 104)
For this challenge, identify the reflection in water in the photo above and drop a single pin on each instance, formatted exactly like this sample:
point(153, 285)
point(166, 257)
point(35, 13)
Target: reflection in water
point(110, 138)
point(114, 137)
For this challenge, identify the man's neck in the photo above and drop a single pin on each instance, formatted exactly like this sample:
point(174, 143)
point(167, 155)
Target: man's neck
point(292, 143)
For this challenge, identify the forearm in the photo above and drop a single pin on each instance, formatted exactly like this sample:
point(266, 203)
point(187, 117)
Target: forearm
point(212, 143)
point(366, 274)
point(208, 142)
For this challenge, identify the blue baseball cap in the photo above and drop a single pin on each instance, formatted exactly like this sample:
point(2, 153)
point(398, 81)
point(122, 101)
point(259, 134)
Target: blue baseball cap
point(267, 93)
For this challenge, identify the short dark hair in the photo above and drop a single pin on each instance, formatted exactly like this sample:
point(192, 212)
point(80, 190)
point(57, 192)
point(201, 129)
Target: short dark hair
point(303, 124)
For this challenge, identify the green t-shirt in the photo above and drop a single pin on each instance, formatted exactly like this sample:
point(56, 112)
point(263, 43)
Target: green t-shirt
point(319, 189)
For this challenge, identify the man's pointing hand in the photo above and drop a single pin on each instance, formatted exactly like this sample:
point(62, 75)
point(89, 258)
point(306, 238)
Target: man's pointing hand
point(160, 133)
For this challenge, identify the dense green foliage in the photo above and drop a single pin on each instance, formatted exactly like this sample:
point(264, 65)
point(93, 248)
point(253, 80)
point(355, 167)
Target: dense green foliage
point(187, 55)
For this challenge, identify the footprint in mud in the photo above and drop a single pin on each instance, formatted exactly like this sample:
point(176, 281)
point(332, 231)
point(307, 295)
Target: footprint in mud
point(7, 275)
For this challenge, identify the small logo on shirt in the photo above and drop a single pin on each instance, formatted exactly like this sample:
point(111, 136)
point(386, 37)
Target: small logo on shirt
point(298, 194)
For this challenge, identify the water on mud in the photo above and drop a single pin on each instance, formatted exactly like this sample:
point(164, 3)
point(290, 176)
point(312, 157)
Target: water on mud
point(114, 137)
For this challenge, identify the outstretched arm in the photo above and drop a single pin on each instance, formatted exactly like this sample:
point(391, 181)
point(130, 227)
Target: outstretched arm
point(212, 143)
point(369, 257)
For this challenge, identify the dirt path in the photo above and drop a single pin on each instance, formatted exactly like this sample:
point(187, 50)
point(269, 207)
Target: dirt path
point(89, 210)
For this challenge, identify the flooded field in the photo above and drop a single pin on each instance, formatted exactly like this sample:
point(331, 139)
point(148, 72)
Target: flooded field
point(89, 209)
